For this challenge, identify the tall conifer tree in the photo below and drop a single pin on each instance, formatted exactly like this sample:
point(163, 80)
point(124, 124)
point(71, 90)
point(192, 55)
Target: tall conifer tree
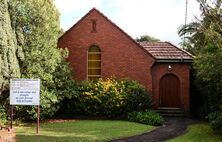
point(9, 51)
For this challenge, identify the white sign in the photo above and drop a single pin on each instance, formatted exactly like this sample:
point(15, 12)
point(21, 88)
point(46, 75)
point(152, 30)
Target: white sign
point(24, 91)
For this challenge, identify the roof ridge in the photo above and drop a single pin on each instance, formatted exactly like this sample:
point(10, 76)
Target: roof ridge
point(151, 41)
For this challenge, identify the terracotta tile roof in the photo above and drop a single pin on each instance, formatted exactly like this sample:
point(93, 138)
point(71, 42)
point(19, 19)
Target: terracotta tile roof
point(166, 51)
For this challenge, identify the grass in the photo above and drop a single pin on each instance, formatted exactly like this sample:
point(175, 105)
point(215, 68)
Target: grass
point(80, 131)
point(199, 133)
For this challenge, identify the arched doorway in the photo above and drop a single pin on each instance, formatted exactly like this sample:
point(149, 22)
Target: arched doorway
point(170, 91)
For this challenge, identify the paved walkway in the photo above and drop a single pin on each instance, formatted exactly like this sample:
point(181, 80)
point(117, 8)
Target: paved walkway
point(173, 127)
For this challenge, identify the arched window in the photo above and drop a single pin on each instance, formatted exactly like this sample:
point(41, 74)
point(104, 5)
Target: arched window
point(94, 63)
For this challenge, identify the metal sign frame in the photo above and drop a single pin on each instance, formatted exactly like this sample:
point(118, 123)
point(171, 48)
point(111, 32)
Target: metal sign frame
point(25, 92)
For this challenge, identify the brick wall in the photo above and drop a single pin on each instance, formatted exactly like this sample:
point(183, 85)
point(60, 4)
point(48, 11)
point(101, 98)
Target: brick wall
point(182, 71)
point(121, 56)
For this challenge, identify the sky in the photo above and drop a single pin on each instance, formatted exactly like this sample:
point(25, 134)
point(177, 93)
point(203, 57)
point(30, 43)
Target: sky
point(157, 18)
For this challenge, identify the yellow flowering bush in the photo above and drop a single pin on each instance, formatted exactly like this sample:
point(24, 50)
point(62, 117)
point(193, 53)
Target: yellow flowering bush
point(109, 97)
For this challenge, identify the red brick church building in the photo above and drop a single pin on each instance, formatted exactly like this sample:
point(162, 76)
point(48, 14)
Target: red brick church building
point(99, 48)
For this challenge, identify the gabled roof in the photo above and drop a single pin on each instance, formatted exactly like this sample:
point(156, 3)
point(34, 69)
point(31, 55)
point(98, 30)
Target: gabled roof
point(94, 9)
point(166, 51)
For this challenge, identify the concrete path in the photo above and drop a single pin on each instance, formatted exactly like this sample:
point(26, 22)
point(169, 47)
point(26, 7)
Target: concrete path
point(173, 127)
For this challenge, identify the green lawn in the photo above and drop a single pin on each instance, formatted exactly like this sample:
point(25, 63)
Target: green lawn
point(80, 131)
point(199, 133)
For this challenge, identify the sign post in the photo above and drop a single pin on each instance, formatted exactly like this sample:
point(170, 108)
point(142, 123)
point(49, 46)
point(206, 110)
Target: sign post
point(38, 113)
point(11, 115)
point(25, 92)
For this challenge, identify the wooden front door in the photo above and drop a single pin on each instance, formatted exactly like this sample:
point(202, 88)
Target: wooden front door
point(169, 91)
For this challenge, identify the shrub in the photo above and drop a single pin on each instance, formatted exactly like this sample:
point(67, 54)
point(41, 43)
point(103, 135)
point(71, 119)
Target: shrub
point(2, 115)
point(102, 97)
point(147, 117)
point(108, 97)
point(138, 99)
point(215, 119)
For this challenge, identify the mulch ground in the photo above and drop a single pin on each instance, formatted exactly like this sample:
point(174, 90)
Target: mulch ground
point(7, 135)
point(173, 127)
